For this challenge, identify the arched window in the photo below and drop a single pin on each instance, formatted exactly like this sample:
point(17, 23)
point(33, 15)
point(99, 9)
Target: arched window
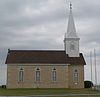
point(21, 75)
point(76, 76)
point(37, 74)
point(54, 74)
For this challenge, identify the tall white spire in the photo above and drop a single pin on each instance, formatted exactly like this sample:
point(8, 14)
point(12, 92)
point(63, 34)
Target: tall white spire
point(71, 40)
point(71, 30)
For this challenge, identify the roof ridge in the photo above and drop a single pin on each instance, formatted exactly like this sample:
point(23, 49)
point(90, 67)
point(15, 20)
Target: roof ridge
point(39, 50)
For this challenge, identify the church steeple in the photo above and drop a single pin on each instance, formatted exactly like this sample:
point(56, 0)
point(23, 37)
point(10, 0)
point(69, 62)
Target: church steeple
point(71, 30)
point(71, 40)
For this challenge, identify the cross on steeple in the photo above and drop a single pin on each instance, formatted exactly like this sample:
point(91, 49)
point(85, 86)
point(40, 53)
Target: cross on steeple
point(70, 6)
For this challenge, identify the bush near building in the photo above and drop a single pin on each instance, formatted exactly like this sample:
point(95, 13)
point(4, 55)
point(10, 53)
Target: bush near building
point(88, 84)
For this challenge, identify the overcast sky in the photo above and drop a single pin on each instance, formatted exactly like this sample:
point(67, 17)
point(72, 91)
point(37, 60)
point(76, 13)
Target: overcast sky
point(41, 24)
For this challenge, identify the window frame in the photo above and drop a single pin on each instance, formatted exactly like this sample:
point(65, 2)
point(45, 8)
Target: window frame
point(37, 75)
point(54, 74)
point(76, 76)
point(21, 75)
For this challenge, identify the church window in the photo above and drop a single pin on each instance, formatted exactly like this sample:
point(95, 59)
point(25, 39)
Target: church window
point(54, 74)
point(37, 74)
point(76, 76)
point(21, 75)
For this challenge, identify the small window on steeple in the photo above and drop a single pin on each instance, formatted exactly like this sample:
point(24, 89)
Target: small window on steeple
point(72, 47)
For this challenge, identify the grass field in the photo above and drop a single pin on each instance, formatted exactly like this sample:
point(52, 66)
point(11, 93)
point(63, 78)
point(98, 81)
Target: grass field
point(78, 96)
point(22, 92)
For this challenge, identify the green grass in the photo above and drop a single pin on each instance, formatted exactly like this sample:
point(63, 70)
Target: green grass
point(77, 96)
point(22, 92)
